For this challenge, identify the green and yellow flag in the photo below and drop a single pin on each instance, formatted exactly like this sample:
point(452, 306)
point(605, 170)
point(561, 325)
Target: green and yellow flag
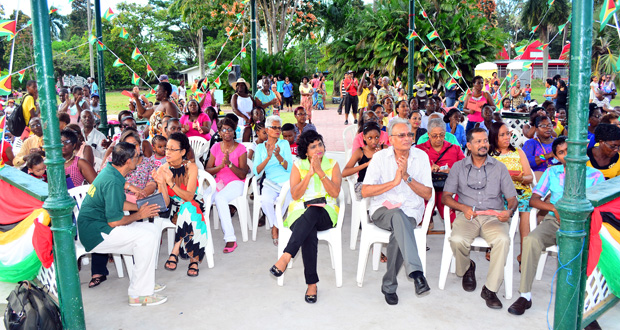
point(527, 65)
point(109, 15)
point(5, 85)
point(607, 12)
point(243, 52)
point(205, 83)
point(446, 55)
point(151, 93)
point(149, 70)
point(212, 64)
point(457, 74)
point(432, 36)
point(520, 50)
point(550, 2)
point(101, 46)
point(21, 74)
point(423, 13)
point(561, 28)
point(118, 63)
point(92, 39)
point(53, 11)
point(450, 83)
point(135, 79)
point(136, 53)
point(412, 35)
point(7, 27)
point(229, 67)
point(124, 34)
point(438, 67)
point(534, 29)
point(423, 49)
point(217, 82)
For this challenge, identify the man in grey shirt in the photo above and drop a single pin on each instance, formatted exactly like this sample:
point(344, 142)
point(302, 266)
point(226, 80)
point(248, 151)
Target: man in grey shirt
point(480, 181)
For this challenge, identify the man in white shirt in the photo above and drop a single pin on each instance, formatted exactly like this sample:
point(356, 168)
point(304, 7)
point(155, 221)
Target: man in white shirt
point(94, 138)
point(398, 180)
point(10, 107)
point(601, 101)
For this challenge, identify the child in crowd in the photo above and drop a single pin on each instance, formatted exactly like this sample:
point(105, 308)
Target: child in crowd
point(363, 155)
point(36, 167)
point(212, 113)
point(288, 133)
point(528, 93)
point(257, 115)
point(238, 132)
point(319, 100)
point(261, 136)
point(159, 148)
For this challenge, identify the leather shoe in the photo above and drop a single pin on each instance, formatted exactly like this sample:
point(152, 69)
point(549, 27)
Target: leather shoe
point(421, 286)
point(519, 306)
point(491, 298)
point(311, 298)
point(469, 278)
point(390, 298)
point(275, 271)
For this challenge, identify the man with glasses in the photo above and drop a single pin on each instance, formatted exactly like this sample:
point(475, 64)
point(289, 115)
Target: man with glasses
point(33, 143)
point(482, 183)
point(552, 181)
point(398, 182)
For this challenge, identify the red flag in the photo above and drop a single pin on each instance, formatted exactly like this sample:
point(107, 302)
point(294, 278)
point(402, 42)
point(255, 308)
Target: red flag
point(565, 52)
point(127, 93)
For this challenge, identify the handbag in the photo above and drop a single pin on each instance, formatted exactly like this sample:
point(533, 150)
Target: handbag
point(439, 179)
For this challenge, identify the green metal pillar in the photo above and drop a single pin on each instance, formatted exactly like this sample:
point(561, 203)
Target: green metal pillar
point(59, 204)
point(573, 207)
point(103, 126)
point(253, 46)
point(410, 65)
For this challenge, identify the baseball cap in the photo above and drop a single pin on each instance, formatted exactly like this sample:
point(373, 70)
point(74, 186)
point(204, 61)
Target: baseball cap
point(163, 77)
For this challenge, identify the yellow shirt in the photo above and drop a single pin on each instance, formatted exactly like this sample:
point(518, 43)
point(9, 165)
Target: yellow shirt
point(558, 129)
point(27, 106)
point(33, 142)
point(363, 99)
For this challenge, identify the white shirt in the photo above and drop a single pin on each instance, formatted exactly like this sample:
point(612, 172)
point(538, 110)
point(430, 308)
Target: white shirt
point(603, 104)
point(8, 110)
point(94, 140)
point(382, 169)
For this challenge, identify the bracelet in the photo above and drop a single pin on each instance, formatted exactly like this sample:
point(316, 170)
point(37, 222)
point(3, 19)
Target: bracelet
point(173, 185)
point(324, 176)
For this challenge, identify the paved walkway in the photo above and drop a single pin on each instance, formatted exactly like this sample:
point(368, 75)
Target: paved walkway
point(331, 125)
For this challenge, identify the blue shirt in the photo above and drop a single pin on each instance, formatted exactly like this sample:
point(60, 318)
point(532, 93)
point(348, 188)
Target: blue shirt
point(553, 181)
point(266, 99)
point(273, 170)
point(459, 133)
point(592, 140)
point(279, 86)
point(288, 90)
point(550, 91)
point(94, 88)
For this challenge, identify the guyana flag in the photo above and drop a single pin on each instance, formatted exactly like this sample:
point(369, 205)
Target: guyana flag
point(149, 70)
point(199, 95)
point(534, 29)
point(432, 36)
point(217, 82)
point(5, 85)
point(7, 28)
point(450, 83)
point(151, 93)
point(53, 11)
point(527, 65)
point(457, 74)
point(446, 55)
point(550, 2)
point(229, 67)
point(618, 65)
point(520, 50)
point(92, 39)
point(118, 63)
point(101, 46)
point(124, 34)
point(413, 35)
point(423, 13)
point(607, 11)
point(109, 15)
point(212, 64)
point(243, 52)
point(239, 15)
point(135, 79)
point(561, 28)
point(424, 49)
point(438, 67)
point(205, 83)
point(136, 53)
point(21, 74)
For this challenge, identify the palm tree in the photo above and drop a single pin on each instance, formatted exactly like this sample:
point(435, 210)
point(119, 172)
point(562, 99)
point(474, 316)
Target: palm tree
point(57, 25)
point(533, 12)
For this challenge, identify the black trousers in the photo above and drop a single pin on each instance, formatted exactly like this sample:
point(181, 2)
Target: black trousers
point(304, 235)
point(99, 264)
point(351, 102)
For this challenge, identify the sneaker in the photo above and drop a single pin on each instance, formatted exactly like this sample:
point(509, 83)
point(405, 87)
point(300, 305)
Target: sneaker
point(153, 300)
point(355, 122)
point(159, 287)
point(346, 122)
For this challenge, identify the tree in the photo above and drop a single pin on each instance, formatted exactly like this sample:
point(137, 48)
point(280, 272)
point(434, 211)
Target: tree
point(533, 13)
point(195, 14)
point(77, 21)
point(57, 25)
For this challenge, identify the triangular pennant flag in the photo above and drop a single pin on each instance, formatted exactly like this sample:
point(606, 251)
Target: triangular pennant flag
point(534, 28)
point(109, 15)
point(92, 39)
point(199, 95)
point(5, 85)
point(7, 27)
point(412, 35)
point(550, 2)
point(565, 52)
point(438, 67)
point(212, 64)
point(618, 65)
point(101, 46)
point(149, 70)
point(561, 28)
point(607, 11)
point(544, 46)
point(205, 84)
point(135, 79)
point(432, 36)
point(53, 11)
point(217, 82)
point(527, 65)
point(28, 23)
point(570, 17)
point(520, 50)
point(423, 49)
point(118, 63)
point(151, 93)
point(450, 83)
point(136, 53)
point(10, 37)
point(423, 13)
point(239, 15)
point(229, 67)
point(446, 55)
point(21, 74)
point(68, 50)
point(124, 34)
point(243, 52)
point(457, 74)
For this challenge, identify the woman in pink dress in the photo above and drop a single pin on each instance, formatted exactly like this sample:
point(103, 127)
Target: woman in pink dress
point(195, 122)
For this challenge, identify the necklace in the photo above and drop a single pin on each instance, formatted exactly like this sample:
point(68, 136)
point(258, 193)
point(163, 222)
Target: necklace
point(70, 159)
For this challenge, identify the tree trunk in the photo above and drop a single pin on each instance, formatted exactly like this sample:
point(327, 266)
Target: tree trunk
point(90, 46)
point(544, 37)
point(201, 53)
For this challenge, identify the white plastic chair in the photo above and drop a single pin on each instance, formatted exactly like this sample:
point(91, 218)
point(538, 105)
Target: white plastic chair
point(170, 228)
point(543, 258)
point(348, 135)
point(243, 208)
point(356, 213)
point(200, 146)
point(447, 258)
point(333, 236)
point(371, 234)
point(78, 194)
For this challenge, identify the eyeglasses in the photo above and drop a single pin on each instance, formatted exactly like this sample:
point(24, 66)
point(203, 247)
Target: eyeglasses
point(37, 124)
point(611, 147)
point(170, 149)
point(66, 142)
point(227, 130)
point(404, 135)
point(437, 136)
point(477, 186)
point(277, 128)
point(545, 126)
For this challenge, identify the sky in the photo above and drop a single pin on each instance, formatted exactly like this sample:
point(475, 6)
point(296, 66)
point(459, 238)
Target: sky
point(64, 7)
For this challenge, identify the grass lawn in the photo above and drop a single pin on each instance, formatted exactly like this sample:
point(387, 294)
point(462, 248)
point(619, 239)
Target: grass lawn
point(538, 89)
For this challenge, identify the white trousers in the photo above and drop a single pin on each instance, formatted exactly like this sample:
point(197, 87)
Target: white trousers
point(268, 200)
point(221, 199)
point(140, 240)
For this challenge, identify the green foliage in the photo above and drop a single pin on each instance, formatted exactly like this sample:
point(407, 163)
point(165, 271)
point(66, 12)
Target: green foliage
point(376, 41)
point(78, 18)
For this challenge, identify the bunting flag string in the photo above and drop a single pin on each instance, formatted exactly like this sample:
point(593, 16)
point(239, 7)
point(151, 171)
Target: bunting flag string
point(23, 71)
point(439, 65)
point(213, 63)
point(135, 78)
point(607, 11)
point(217, 80)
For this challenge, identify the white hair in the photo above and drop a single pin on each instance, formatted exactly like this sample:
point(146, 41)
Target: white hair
point(269, 120)
point(395, 121)
point(436, 114)
point(436, 123)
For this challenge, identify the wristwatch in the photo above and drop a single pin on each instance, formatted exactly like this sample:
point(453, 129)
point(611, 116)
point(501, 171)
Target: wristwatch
point(230, 165)
point(409, 179)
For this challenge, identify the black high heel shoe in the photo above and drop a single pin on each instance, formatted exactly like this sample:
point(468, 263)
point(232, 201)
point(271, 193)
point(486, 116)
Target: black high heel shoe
point(311, 298)
point(275, 271)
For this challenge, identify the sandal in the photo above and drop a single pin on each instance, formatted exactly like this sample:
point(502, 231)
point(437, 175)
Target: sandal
point(488, 255)
point(171, 262)
point(383, 258)
point(95, 281)
point(189, 268)
point(230, 249)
